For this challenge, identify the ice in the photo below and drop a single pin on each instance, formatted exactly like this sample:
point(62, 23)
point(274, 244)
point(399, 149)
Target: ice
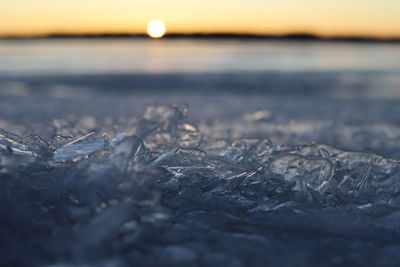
point(75, 152)
point(315, 173)
point(24, 146)
point(159, 189)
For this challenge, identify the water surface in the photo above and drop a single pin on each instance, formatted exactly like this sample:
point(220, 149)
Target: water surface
point(192, 56)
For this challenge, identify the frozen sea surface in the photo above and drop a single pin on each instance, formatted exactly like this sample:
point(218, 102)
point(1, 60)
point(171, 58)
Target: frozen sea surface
point(235, 167)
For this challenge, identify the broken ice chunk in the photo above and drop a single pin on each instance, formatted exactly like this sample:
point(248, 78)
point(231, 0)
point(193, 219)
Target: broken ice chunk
point(180, 156)
point(78, 151)
point(315, 173)
point(118, 138)
point(130, 152)
point(13, 143)
point(288, 165)
point(319, 174)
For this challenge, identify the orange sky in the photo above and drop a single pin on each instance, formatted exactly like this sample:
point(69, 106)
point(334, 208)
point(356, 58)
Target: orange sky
point(325, 17)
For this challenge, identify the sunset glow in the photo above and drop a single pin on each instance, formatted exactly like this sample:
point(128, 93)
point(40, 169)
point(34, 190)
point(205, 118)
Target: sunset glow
point(350, 17)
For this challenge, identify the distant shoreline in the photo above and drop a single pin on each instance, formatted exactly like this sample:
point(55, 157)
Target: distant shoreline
point(212, 36)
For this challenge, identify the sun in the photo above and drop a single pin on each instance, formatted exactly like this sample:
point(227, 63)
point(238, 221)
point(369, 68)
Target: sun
point(156, 29)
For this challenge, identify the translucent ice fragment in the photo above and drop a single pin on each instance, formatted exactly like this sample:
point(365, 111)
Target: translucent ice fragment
point(130, 150)
point(116, 139)
point(315, 173)
point(164, 156)
point(319, 174)
point(23, 146)
point(288, 165)
point(363, 181)
point(78, 151)
point(241, 149)
point(179, 157)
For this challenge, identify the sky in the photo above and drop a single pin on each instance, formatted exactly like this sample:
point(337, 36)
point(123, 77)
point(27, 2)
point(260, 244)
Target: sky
point(379, 18)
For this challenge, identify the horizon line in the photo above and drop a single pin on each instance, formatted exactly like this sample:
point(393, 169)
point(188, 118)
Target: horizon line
point(215, 35)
